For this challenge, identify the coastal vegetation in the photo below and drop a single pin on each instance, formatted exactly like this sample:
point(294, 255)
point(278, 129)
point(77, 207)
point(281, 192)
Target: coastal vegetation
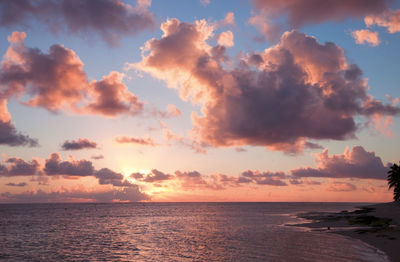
point(394, 181)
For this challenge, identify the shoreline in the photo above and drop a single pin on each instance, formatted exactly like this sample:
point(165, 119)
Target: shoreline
point(377, 225)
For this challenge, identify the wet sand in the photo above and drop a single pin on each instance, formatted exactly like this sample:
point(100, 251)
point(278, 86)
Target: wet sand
point(377, 225)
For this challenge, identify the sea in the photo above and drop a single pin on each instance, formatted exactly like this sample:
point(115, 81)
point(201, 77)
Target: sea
point(173, 232)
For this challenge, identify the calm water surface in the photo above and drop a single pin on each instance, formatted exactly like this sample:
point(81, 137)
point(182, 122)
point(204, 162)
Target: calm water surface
point(172, 232)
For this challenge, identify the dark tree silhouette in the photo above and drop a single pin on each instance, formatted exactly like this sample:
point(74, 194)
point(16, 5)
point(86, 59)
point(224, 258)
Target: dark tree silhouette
point(394, 181)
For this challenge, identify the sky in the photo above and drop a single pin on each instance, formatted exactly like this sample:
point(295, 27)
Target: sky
point(200, 100)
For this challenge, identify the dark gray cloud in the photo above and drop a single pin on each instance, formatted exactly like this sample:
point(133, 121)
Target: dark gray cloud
point(109, 19)
point(81, 143)
point(301, 12)
point(354, 163)
point(22, 184)
point(11, 137)
point(55, 166)
point(109, 177)
point(19, 167)
point(154, 176)
point(97, 157)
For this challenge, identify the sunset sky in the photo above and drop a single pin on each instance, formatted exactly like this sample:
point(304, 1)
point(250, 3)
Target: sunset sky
point(201, 100)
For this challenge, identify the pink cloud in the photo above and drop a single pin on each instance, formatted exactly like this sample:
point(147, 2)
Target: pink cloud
point(296, 90)
point(56, 81)
point(389, 19)
point(109, 19)
point(354, 163)
point(266, 27)
point(225, 39)
point(366, 36)
point(133, 140)
point(111, 97)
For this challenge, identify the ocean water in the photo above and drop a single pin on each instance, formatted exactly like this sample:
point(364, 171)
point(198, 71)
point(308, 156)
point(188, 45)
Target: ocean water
point(172, 232)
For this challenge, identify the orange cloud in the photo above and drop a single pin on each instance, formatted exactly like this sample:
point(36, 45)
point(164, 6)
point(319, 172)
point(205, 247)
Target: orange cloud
point(111, 97)
point(389, 19)
point(366, 36)
point(133, 140)
point(225, 39)
point(56, 81)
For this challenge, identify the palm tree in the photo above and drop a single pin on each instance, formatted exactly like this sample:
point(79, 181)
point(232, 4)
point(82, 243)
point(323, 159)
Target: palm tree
point(394, 181)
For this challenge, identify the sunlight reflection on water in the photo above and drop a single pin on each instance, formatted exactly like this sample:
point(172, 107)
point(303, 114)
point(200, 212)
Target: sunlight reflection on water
point(171, 232)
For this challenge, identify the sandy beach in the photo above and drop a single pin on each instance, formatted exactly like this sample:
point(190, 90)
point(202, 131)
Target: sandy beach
point(377, 225)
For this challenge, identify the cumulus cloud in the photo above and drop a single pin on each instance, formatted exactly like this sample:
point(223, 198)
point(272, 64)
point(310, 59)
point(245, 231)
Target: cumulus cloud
point(294, 91)
point(82, 168)
point(109, 19)
point(109, 177)
point(225, 39)
point(81, 143)
point(301, 12)
point(131, 194)
point(389, 19)
point(154, 176)
point(111, 97)
point(354, 163)
point(19, 167)
point(11, 137)
point(56, 81)
point(133, 140)
point(55, 166)
point(366, 36)
point(8, 133)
